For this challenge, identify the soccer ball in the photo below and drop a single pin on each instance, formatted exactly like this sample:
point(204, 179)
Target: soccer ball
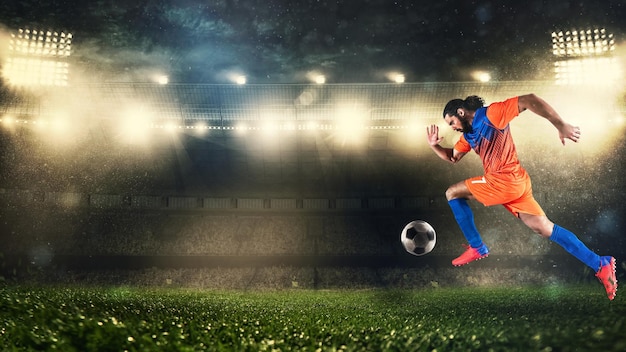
point(418, 237)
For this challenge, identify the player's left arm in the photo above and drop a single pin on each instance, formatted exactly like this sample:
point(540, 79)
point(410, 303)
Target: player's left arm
point(540, 107)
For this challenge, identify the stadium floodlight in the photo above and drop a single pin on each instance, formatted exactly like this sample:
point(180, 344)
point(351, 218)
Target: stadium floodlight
point(589, 71)
point(7, 121)
point(38, 57)
point(351, 123)
point(396, 77)
point(316, 77)
point(40, 43)
point(161, 79)
point(582, 43)
point(29, 72)
point(584, 56)
point(240, 80)
point(481, 76)
point(241, 128)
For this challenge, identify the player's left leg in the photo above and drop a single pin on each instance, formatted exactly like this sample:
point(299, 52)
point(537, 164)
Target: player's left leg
point(604, 267)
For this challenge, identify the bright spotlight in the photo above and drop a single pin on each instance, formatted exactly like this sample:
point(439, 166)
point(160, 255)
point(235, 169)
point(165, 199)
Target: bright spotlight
point(162, 79)
point(585, 57)
point(29, 42)
point(59, 125)
point(270, 128)
point(351, 123)
point(396, 77)
point(316, 77)
point(588, 71)
point(582, 43)
point(7, 120)
point(481, 76)
point(241, 128)
point(201, 128)
point(134, 125)
point(240, 80)
point(33, 72)
point(38, 57)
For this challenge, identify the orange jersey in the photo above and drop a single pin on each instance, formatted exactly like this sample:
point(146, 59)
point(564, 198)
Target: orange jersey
point(505, 181)
point(491, 138)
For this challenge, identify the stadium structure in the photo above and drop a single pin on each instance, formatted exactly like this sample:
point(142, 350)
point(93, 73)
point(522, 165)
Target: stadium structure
point(291, 185)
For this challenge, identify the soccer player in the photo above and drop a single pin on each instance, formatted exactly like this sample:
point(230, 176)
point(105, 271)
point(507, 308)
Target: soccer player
point(486, 131)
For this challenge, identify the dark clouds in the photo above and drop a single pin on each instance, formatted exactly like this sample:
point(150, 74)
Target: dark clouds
point(275, 41)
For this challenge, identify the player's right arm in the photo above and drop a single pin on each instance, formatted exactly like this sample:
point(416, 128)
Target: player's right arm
point(542, 108)
point(448, 154)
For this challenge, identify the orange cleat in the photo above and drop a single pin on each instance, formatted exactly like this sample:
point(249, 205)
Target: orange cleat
point(471, 254)
point(606, 275)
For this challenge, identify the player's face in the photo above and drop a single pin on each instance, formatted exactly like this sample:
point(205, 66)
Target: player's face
point(454, 122)
point(459, 124)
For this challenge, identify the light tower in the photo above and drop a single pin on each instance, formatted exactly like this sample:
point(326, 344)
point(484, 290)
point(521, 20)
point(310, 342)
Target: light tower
point(38, 58)
point(584, 56)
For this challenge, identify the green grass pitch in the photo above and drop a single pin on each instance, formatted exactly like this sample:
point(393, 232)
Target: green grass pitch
point(550, 318)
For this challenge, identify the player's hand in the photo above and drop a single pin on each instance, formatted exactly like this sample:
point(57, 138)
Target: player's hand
point(570, 132)
point(432, 133)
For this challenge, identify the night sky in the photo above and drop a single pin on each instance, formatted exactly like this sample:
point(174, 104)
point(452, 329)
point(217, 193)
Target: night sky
point(349, 41)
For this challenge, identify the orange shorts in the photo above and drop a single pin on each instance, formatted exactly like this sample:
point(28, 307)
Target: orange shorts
point(514, 192)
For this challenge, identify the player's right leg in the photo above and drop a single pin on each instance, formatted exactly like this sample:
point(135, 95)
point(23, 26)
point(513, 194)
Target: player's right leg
point(603, 266)
point(457, 196)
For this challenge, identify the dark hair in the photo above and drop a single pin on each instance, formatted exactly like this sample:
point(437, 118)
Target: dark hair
point(471, 103)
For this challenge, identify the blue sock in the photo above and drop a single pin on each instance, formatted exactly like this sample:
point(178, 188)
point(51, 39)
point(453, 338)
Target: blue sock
point(575, 247)
point(465, 218)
